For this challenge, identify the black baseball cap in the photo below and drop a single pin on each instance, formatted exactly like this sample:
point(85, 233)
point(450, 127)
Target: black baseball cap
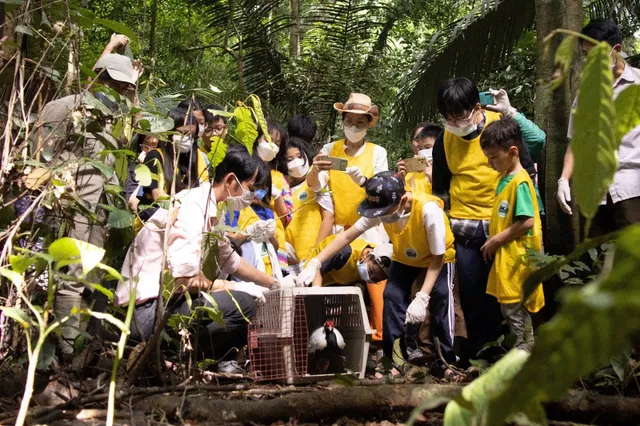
point(384, 191)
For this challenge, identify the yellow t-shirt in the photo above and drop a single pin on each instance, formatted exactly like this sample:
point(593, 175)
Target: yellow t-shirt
point(510, 267)
point(279, 181)
point(418, 182)
point(410, 244)
point(348, 274)
point(346, 194)
point(306, 219)
point(473, 184)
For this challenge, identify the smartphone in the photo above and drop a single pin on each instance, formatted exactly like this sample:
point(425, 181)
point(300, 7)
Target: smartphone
point(486, 98)
point(336, 163)
point(415, 164)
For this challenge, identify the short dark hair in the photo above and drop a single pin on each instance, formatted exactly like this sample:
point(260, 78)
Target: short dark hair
point(238, 161)
point(210, 117)
point(181, 118)
point(369, 116)
point(502, 134)
point(192, 104)
point(429, 130)
point(304, 148)
point(302, 126)
point(603, 30)
point(457, 96)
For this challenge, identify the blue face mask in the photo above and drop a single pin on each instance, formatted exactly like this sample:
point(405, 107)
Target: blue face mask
point(364, 272)
point(260, 193)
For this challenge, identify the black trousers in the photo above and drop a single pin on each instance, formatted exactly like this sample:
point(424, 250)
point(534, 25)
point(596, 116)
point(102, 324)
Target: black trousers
point(397, 297)
point(615, 216)
point(216, 341)
point(481, 311)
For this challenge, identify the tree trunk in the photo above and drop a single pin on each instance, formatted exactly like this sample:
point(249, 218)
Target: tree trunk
point(152, 32)
point(552, 114)
point(294, 31)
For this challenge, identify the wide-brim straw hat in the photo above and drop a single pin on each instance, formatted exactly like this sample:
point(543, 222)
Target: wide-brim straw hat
point(359, 103)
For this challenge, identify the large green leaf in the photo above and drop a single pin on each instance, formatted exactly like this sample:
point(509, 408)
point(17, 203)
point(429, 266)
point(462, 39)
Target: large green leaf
point(259, 116)
point(119, 219)
point(210, 253)
point(218, 151)
point(143, 174)
point(564, 59)
point(17, 315)
point(12, 276)
point(627, 112)
point(593, 325)
point(69, 250)
point(246, 130)
point(593, 142)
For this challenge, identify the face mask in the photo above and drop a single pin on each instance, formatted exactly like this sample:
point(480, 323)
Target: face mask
point(267, 151)
point(200, 130)
point(393, 217)
point(461, 131)
point(354, 134)
point(364, 272)
point(426, 153)
point(183, 142)
point(298, 168)
point(260, 193)
point(240, 202)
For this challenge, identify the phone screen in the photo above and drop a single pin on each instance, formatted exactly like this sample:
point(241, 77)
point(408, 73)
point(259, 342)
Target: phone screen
point(486, 98)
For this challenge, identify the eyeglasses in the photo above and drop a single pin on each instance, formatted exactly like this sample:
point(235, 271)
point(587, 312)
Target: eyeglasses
point(358, 124)
point(459, 122)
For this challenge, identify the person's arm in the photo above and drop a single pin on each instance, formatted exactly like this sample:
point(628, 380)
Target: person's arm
point(527, 162)
point(440, 174)
point(532, 135)
point(248, 273)
point(115, 42)
point(380, 162)
point(326, 226)
point(318, 176)
point(567, 166)
point(516, 230)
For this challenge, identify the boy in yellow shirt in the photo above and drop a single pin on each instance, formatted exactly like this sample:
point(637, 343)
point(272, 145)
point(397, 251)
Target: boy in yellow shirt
point(514, 227)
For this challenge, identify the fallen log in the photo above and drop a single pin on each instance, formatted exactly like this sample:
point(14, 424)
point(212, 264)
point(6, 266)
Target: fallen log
point(379, 402)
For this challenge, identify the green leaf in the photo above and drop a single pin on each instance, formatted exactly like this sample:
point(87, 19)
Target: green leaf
point(143, 175)
point(593, 142)
point(17, 315)
point(218, 151)
point(23, 29)
point(620, 364)
point(346, 380)
point(398, 358)
point(593, 325)
point(102, 167)
point(210, 252)
point(93, 103)
point(20, 263)
point(564, 58)
point(156, 123)
point(12, 1)
point(112, 274)
point(627, 112)
point(120, 219)
point(259, 116)
point(475, 396)
point(72, 250)
point(47, 354)
point(13, 276)
point(246, 131)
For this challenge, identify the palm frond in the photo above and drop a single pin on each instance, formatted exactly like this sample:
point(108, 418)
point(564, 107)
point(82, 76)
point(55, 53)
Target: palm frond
point(625, 12)
point(470, 47)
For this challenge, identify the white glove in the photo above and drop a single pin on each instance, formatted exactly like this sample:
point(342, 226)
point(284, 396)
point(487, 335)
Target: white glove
point(417, 311)
point(254, 290)
point(308, 273)
point(275, 192)
point(564, 195)
point(262, 230)
point(502, 104)
point(356, 175)
point(288, 282)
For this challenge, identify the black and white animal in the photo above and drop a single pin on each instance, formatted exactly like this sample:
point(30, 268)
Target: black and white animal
point(326, 350)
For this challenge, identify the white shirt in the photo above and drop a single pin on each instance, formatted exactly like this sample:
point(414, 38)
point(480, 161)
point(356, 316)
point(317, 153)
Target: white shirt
point(626, 181)
point(434, 225)
point(196, 214)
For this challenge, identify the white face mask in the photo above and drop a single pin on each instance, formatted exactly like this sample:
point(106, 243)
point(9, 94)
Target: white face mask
point(298, 168)
point(393, 217)
point(426, 153)
point(183, 142)
point(461, 131)
point(267, 151)
point(364, 272)
point(243, 201)
point(353, 134)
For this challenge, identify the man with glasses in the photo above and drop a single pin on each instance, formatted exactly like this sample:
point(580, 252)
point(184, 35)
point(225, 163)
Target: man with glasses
point(462, 176)
point(621, 206)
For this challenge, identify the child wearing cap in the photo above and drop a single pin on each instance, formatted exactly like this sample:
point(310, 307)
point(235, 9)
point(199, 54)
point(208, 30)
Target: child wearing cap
point(422, 240)
point(514, 227)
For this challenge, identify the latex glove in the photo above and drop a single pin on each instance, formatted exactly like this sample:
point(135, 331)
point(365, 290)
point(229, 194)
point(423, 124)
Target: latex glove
point(118, 40)
point(417, 311)
point(564, 195)
point(275, 192)
point(288, 282)
point(262, 230)
point(252, 289)
point(356, 175)
point(502, 104)
point(308, 273)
